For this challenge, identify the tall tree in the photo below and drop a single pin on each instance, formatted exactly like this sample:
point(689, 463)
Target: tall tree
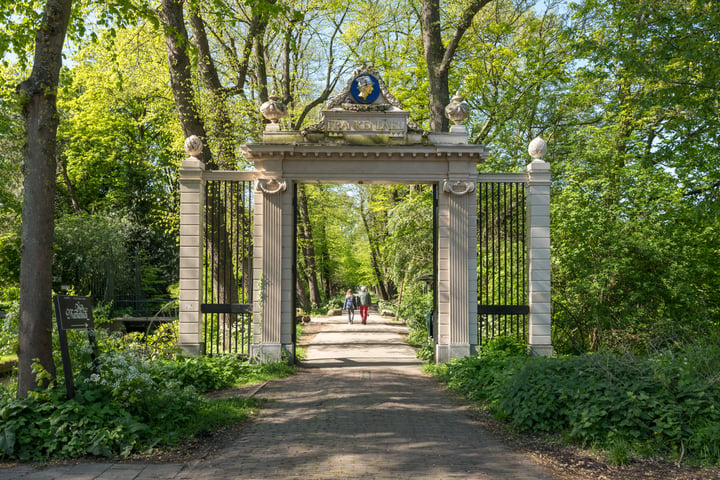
point(636, 196)
point(439, 55)
point(307, 246)
point(516, 74)
point(41, 122)
point(178, 48)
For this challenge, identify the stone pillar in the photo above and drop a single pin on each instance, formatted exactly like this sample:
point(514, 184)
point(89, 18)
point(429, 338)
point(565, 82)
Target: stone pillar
point(271, 338)
point(192, 200)
point(457, 272)
point(538, 198)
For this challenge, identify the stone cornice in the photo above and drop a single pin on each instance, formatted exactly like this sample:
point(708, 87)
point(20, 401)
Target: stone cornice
point(255, 151)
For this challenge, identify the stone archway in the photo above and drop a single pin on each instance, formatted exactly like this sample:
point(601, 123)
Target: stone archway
point(364, 129)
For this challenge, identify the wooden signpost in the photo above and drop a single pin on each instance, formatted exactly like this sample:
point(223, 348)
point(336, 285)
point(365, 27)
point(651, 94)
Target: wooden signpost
point(74, 313)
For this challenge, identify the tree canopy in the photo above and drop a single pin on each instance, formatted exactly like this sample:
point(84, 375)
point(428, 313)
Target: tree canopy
point(625, 92)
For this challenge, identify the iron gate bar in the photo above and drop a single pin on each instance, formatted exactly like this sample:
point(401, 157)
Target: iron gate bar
point(243, 308)
point(503, 309)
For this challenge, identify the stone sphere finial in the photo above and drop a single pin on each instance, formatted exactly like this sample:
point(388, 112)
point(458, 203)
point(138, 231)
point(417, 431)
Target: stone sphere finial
point(193, 145)
point(273, 109)
point(537, 148)
point(457, 110)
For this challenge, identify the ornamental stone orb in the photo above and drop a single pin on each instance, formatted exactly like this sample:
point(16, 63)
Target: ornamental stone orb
point(193, 145)
point(537, 148)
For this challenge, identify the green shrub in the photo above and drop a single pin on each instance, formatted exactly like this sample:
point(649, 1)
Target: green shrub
point(129, 405)
point(507, 345)
point(663, 404)
point(9, 326)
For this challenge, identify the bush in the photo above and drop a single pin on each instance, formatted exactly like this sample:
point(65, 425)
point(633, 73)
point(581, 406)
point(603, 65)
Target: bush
point(666, 404)
point(134, 402)
point(414, 308)
point(9, 326)
point(505, 345)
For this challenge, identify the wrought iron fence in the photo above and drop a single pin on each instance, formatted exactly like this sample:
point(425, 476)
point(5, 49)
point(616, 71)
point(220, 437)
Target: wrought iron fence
point(502, 260)
point(227, 302)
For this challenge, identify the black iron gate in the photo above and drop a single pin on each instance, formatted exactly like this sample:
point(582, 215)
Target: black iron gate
point(502, 260)
point(227, 298)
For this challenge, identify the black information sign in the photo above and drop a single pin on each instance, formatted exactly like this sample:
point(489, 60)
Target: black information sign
point(74, 313)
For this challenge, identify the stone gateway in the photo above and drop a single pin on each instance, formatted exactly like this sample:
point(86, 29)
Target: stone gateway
point(364, 124)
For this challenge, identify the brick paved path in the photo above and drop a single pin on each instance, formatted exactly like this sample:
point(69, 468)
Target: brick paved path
point(358, 408)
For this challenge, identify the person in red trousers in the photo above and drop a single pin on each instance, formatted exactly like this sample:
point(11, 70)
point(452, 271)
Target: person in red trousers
point(364, 301)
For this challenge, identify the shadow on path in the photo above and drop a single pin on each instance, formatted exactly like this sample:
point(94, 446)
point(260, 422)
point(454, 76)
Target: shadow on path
point(359, 407)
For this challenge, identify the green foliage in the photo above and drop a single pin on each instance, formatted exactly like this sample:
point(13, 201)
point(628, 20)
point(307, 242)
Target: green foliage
point(139, 395)
point(129, 405)
point(218, 372)
point(414, 308)
point(509, 345)
point(635, 197)
point(89, 249)
point(665, 404)
point(478, 377)
point(117, 131)
point(45, 425)
point(9, 326)
point(624, 275)
point(409, 247)
point(513, 68)
point(11, 144)
point(416, 302)
point(98, 421)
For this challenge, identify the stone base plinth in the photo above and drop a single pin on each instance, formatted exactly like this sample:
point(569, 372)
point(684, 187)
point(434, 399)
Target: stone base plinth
point(541, 350)
point(192, 348)
point(445, 353)
point(275, 352)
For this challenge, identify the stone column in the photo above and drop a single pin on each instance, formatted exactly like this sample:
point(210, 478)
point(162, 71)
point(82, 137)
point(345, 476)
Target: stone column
point(192, 200)
point(270, 338)
point(457, 271)
point(538, 198)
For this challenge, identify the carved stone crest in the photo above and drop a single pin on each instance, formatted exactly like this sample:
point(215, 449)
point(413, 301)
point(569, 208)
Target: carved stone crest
point(458, 187)
point(271, 186)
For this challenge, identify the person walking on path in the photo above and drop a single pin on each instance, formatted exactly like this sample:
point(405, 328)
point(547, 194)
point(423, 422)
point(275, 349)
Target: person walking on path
point(364, 301)
point(350, 305)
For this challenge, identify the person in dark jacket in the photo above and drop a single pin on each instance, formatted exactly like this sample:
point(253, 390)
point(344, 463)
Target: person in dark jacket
point(350, 305)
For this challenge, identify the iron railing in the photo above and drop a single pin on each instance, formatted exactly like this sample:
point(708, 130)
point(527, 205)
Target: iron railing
point(502, 260)
point(227, 302)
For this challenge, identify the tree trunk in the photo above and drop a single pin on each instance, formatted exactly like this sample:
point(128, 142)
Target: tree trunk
point(221, 253)
point(438, 73)
point(374, 259)
point(308, 248)
point(41, 122)
point(221, 123)
point(71, 189)
point(300, 295)
point(439, 56)
point(176, 42)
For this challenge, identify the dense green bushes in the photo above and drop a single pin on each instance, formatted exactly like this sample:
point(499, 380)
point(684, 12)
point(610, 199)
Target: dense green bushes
point(414, 307)
point(139, 398)
point(665, 404)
